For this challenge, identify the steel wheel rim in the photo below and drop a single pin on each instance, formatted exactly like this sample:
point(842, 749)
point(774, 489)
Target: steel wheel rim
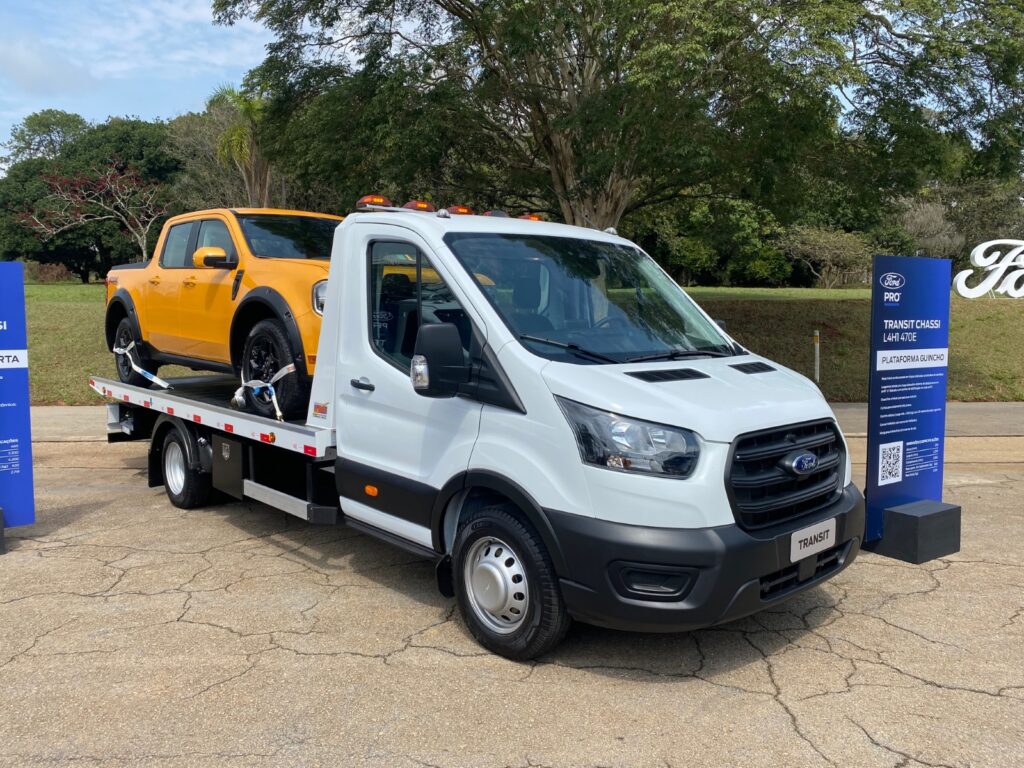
point(496, 585)
point(262, 364)
point(124, 366)
point(174, 468)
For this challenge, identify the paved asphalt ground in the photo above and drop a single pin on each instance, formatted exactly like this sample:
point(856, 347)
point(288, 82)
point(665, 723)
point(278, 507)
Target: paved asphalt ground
point(135, 634)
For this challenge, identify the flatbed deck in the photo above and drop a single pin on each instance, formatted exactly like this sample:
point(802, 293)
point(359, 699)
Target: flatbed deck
point(205, 400)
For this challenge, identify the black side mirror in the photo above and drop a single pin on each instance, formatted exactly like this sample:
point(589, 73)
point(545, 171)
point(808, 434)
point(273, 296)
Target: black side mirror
point(438, 365)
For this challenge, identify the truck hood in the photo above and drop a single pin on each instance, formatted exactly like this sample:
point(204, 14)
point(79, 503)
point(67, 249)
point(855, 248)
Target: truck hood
point(725, 404)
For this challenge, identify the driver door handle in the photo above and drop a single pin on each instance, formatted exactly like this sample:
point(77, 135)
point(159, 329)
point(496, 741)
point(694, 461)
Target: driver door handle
point(154, 280)
point(189, 282)
point(363, 384)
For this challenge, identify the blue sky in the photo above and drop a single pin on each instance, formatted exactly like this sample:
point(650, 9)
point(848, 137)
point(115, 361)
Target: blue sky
point(145, 58)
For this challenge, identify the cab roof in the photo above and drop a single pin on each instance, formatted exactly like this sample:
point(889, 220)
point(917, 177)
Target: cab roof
point(440, 226)
point(262, 211)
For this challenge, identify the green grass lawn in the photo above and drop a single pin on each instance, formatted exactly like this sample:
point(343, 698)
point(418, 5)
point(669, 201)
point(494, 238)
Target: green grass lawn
point(66, 345)
point(65, 324)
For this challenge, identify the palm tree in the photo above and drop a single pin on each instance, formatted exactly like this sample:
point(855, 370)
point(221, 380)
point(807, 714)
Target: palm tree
point(239, 144)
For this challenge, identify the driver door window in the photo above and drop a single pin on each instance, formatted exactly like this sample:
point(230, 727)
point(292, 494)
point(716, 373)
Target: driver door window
point(405, 293)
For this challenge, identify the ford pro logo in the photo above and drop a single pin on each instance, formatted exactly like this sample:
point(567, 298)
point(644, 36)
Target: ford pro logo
point(892, 281)
point(799, 463)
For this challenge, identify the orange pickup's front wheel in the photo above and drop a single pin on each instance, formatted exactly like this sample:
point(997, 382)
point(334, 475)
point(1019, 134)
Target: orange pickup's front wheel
point(266, 352)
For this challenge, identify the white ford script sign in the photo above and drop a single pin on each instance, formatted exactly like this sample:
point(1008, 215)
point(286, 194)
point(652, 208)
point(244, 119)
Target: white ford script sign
point(813, 539)
point(1002, 262)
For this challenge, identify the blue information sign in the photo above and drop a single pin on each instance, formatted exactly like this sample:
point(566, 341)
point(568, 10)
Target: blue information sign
point(16, 497)
point(907, 398)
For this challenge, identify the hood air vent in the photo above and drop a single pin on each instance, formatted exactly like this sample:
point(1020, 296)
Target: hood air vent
point(753, 367)
point(676, 374)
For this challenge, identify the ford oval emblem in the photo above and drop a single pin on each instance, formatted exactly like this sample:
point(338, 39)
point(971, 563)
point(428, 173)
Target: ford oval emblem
point(805, 463)
point(892, 281)
point(799, 463)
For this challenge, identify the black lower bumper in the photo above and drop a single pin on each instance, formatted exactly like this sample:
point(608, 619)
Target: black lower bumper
point(670, 579)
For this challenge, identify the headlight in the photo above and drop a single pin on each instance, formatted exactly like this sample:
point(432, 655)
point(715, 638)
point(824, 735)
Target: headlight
point(319, 296)
point(629, 445)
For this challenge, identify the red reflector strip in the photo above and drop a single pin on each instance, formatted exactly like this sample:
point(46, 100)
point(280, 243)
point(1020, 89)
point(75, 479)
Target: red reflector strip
point(170, 410)
point(309, 450)
point(197, 418)
point(125, 398)
point(147, 403)
point(229, 427)
point(92, 383)
point(264, 437)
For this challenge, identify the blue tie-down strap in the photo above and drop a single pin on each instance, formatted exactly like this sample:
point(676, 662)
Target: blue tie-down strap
point(257, 386)
point(127, 352)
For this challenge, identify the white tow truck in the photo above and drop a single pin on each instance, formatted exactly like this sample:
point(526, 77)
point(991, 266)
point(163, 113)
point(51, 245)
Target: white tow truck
point(541, 410)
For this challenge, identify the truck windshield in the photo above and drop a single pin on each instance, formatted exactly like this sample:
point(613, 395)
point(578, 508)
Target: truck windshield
point(288, 237)
point(586, 301)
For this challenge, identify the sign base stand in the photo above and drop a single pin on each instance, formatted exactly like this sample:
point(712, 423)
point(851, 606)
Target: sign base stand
point(919, 532)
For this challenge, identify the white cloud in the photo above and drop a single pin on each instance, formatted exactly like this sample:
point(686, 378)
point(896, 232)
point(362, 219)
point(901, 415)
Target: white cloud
point(33, 67)
point(166, 38)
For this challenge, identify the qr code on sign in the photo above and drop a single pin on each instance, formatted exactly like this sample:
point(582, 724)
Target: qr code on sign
point(890, 463)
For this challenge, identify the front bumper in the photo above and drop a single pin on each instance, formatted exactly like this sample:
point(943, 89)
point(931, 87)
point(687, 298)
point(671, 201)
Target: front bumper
point(723, 573)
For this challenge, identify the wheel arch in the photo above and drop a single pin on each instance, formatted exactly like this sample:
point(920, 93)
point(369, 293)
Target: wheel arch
point(265, 303)
point(475, 489)
point(193, 448)
point(119, 307)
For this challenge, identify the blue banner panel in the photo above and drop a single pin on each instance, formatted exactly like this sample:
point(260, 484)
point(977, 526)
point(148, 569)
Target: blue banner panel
point(16, 496)
point(907, 396)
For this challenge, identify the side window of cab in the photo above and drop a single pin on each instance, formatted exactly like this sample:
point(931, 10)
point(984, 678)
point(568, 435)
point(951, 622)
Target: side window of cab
point(214, 233)
point(175, 252)
point(405, 292)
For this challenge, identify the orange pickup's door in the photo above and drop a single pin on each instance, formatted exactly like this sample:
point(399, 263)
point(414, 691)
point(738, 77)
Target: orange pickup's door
point(159, 304)
point(205, 307)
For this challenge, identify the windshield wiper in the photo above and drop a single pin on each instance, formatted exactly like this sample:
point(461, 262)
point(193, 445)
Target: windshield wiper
point(679, 354)
point(571, 347)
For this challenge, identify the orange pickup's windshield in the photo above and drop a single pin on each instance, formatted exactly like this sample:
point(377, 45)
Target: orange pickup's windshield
point(288, 237)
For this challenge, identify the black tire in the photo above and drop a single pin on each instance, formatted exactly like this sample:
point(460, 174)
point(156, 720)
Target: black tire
point(545, 620)
point(187, 488)
point(123, 336)
point(266, 351)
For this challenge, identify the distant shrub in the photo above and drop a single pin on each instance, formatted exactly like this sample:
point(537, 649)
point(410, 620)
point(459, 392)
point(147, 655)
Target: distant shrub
point(47, 273)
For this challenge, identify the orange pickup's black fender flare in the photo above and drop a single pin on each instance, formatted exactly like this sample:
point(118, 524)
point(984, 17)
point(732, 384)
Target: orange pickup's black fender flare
point(120, 303)
point(268, 302)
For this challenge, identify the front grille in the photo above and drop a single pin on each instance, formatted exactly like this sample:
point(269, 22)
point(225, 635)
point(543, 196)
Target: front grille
point(775, 584)
point(763, 492)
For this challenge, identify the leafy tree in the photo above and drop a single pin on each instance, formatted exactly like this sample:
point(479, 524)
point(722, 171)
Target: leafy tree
point(122, 197)
point(120, 148)
point(239, 146)
point(43, 134)
point(205, 181)
point(832, 256)
point(608, 106)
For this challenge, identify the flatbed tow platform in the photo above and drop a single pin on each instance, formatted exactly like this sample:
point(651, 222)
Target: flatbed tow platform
point(285, 464)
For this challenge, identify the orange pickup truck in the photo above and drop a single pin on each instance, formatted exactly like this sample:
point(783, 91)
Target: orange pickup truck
point(237, 291)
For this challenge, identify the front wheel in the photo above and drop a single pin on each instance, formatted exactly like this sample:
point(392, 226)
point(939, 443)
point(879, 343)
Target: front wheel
point(266, 352)
point(123, 337)
point(506, 586)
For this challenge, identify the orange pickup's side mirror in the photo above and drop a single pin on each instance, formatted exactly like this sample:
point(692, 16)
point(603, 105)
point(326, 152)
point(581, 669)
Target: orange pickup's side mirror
point(211, 257)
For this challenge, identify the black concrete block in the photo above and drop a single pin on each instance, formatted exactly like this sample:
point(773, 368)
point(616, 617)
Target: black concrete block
point(920, 531)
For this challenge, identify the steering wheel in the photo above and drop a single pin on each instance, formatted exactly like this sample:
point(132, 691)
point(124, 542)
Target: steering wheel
point(609, 320)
